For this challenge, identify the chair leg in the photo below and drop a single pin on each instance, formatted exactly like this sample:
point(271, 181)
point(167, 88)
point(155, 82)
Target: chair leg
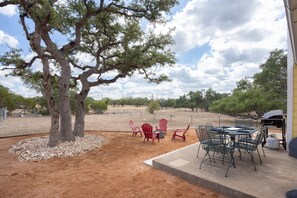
point(263, 151)
point(207, 153)
point(259, 156)
point(230, 162)
point(233, 160)
point(213, 160)
point(239, 153)
point(252, 158)
point(198, 150)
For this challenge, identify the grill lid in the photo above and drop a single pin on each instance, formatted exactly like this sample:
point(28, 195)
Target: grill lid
point(273, 114)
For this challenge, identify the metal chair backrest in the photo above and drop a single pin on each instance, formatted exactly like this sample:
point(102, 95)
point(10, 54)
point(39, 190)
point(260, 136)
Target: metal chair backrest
point(263, 131)
point(202, 133)
point(208, 125)
point(257, 141)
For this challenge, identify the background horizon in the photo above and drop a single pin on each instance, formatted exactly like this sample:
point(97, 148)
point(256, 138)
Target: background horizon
point(216, 45)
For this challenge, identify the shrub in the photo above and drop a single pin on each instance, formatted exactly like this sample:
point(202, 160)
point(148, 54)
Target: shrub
point(99, 106)
point(152, 106)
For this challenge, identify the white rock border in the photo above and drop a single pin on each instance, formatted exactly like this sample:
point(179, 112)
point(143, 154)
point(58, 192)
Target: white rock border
point(36, 149)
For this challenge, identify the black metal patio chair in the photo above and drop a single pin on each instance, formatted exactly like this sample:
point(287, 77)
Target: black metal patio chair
point(252, 140)
point(251, 145)
point(222, 150)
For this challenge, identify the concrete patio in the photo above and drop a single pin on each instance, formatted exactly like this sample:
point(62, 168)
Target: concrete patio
point(274, 178)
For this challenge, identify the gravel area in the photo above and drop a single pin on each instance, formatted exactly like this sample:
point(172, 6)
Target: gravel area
point(35, 149)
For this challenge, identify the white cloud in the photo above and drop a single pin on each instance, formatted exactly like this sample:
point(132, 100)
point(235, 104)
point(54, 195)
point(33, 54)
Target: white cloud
point(9, 10)
point(238, 34)
point(8, 40)
point(15, 85)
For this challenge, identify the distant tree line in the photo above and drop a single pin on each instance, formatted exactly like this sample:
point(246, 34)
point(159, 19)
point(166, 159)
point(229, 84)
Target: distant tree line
point(252, 97)
point(12, 101)
point(38, 104)
point(264, 91)
point(193, 100)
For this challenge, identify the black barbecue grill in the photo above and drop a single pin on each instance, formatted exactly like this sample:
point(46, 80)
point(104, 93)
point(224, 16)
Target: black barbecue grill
point(275, 118)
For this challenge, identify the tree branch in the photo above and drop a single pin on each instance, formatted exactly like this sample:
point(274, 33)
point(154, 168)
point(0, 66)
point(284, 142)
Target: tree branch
point(11, 2)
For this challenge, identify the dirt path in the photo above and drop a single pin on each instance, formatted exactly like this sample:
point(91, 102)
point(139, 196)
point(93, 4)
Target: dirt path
point(114, 170)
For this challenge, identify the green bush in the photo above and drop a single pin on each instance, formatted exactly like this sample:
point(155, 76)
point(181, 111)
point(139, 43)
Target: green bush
point(99, 106)
point(152, 106)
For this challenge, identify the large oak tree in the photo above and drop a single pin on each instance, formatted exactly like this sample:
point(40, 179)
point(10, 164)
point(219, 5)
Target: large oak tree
point(110, 32)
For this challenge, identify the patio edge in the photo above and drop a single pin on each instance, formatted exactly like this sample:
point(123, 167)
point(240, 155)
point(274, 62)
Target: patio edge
point(224, 190)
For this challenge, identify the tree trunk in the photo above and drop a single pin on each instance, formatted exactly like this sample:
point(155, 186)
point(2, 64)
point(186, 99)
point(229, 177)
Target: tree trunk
point(64, 81)
point(79, 126)
point(65, 114)
point(54, 134)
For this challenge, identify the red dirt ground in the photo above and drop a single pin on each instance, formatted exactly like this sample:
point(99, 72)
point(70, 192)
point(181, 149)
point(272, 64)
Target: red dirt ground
point(114, 170)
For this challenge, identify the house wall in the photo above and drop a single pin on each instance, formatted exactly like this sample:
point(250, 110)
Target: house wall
point(294, 120)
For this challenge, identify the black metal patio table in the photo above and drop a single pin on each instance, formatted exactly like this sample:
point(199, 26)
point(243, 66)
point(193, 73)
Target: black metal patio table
point(222, 140)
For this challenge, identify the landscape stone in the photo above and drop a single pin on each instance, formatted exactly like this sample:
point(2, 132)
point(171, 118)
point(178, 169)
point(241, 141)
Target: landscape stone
point(36, 149)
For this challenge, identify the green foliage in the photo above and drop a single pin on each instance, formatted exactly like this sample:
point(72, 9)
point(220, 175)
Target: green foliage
point(243, 85)
point(195, 99)
point(6, 98)
point(88, 102)
point(209, 97)
point(72, 101)
point(99, 106)
point(129, 101)
point(268, 91)
point(13, 101)
point(41, 106)
point(167, 102)
point(153, 106)
point(110, 33)
point(199, 99)
point(273, 77)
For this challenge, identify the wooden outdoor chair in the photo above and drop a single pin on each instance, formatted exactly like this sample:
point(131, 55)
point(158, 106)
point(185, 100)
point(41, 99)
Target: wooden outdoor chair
point(135, 129)
point(181, 133)
point(162, 126)
point(148, 133)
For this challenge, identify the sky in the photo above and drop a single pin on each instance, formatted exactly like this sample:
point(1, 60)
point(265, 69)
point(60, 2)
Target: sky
point(217, 43)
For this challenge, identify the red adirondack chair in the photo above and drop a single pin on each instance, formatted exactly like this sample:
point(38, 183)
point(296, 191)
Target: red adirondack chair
point(180, 133)
point(135, 129)
point(162, 126)
point(148, 133)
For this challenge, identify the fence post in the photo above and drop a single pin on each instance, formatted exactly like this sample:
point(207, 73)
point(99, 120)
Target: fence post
point(1, 114)
point(219, 119)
